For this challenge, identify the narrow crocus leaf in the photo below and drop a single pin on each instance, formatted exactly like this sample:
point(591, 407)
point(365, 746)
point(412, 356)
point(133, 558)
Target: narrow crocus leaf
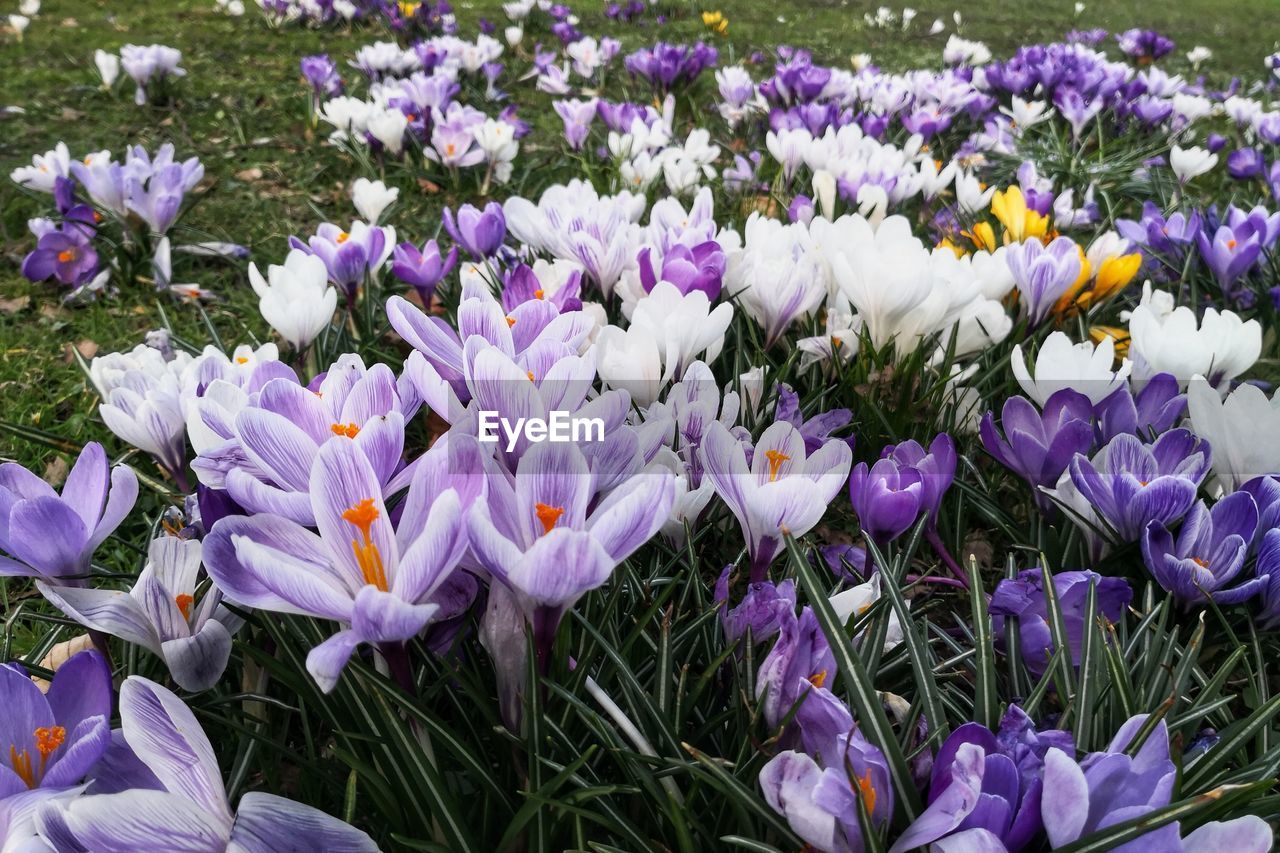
point(986, 702)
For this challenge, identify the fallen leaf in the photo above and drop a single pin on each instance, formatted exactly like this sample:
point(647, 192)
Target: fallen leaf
point(55, 473)
point(252, 174)
point(60, 654)
point(87, 349)
point(68, 114)
point(13, 306)
point(428, 186)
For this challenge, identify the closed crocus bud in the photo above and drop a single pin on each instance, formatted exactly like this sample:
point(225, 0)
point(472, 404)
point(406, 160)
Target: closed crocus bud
point(295, 298)
point(108, 67)
point(1245, 163)
point(371, 198)
point(480, 232)
point(887, 497)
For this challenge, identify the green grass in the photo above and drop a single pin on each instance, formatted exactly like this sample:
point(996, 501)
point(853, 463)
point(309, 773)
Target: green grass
point(241, 109)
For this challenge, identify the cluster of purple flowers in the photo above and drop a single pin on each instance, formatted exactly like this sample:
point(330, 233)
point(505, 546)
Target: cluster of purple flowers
point(670, 66)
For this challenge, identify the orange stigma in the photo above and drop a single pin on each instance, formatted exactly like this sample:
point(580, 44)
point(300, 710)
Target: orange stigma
point(511, 321)
point(548, 515)
point(368, 558)
point(867, 791)
point(47, 742)
point(349, 430)
point(66, 256)
point(530, 374)
point(818, 678)
point(242, 359)
point(539, 293)
point(776, 458)
point(1231, 244)
point(343, 237)
point(184, 603)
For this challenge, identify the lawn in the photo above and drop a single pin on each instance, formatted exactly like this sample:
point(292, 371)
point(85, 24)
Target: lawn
point(242, 110)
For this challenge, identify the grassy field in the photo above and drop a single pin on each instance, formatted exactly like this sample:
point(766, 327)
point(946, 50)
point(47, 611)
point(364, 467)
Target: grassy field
point(241, 109)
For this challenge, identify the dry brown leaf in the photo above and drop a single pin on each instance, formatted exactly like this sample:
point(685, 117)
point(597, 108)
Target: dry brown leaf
point(13, 306)
point(61, 653)
point(87, 349)
point(248, 175)
point(428, 187)
point(55, 473)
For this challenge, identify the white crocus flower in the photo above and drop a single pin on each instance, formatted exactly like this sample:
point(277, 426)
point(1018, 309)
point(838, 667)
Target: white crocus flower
point(1199, 54)
point(1221, 346)
point(388, 127)
point(45, 169)
point(108, 67)
point(683, 324)
point(295, 299)
point(1081, 367)
point(1026, 114)
point(1241, 429)
point(1188, 163)
point(371, 198)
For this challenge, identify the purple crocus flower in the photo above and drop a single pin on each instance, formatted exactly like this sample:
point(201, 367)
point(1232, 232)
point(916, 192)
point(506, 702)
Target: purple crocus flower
point(1155, 409)
point(800, 210)
point(1132, 484)
point(821, 800)
point(782, 489)
point(1230, 252)
point(1167, 236)
point(65, 254)
point(480, 232)
point(521, 284)
point(577, 116)
point(1268, 569)
point(1208, 552)
point(157, 198)
point(375, 578)
point(422, 269)
point(269, 446)
point(1023, 597)
point(543, 541)
point(985, 790)
point(185, 803)
point(1043, 273)
point(1145, 46)
point(698, 268)
point(1245, 163)
point(1110, 787)
point(321, 73)
point(161, 613)
point(54, 738)
point(348, 255)
point(887, 498)
point(762, 611)
point(801, 658)
point(937, 469)
point(1037, 446)
point(95, 499)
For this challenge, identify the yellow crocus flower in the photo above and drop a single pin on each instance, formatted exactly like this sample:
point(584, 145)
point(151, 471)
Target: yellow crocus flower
point(716, 22)
point(983, 236)
point(1120, 336)
point(1020, 222)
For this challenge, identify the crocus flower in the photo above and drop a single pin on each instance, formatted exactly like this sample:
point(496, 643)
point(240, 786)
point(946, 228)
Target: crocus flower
point(480, 232)
point(822, 803)
point(371, 198)
point(161, 613)
point(1188, 163)
point(148, 63)
point(1268, 568)
point(799, 659)
point(1060, 364)
point(1131, 484)
point(374, 578)
point(816, 429)
point(1023, 597)
point(1239, 428)
point(351, 255)
point(185, 804)
point(1208, 552)
point(761, 613)
point(1245, 163)
point(1039, 446)
point(1153, 410)
point(887, 497)
point(422, 269)
point(782, 490)
point(321, 73)
point(937, 469)
point(986, 788)
point(1043, 274)
point(295, 299)
point(52, 536)
point(1220, 346)
point(577, 116)
point(542, 540)
point(1229, 252)
point(269, 447)
point(65, 254)
point(54, 738)
point(698, 268)
point(1110, 787)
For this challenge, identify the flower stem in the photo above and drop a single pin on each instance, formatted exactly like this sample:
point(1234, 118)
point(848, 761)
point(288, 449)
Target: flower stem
point(940, 548)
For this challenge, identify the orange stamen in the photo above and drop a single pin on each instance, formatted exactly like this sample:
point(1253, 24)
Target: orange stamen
point(538, 294)
point(368, 557)
point(343, 237)
point(530, 375)
point(511, 321)
point(184, 603)
point(776, 458)
point(242, 359)
point(66, 256)
point(867, 791)
point(818, 678)
point(548, 515)
point(349, 430)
